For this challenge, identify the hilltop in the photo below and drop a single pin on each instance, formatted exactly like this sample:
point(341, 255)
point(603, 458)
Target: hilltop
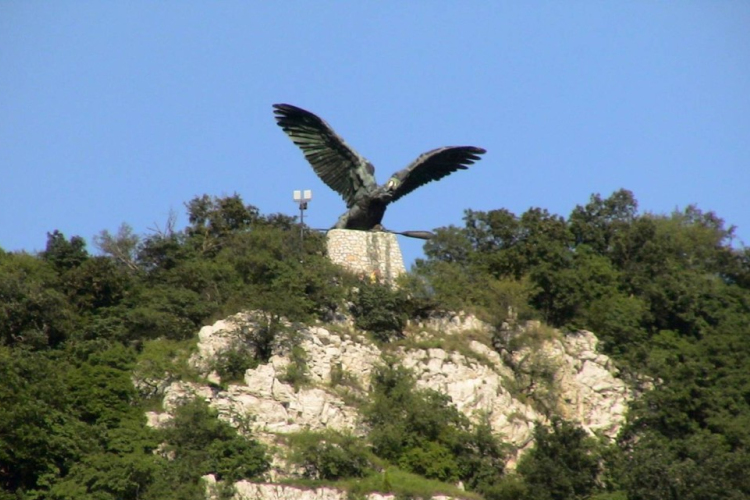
point(531, 356)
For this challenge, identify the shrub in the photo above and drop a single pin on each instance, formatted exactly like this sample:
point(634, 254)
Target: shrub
point(203, 444)
point(378, 309)
point(564, 462)
point(422, 432)
point(232, 363)
point(330, 455)
point(296, 371)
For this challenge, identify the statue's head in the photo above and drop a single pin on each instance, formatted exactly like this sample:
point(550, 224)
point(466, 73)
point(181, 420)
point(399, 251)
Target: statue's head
point(392, 184)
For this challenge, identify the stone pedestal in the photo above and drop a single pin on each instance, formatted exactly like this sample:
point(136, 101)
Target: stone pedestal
point(372, 254)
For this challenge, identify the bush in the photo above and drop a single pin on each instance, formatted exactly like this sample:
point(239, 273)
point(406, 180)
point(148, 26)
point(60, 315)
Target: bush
point(295, 372)
point(232, 363)
point(563, 464)
point(432, 460)
point(330, 455)
point(378, 309)
point(422, 432)
point(202, 444)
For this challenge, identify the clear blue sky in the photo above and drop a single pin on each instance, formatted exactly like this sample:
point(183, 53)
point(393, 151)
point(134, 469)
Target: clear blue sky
point(115, 112)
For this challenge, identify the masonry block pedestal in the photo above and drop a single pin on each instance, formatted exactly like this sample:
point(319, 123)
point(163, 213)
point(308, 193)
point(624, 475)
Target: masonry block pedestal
point(372, 254)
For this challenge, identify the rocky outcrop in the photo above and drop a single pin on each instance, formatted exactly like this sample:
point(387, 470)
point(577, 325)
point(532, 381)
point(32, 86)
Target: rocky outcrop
point(513, 385)
point(567, 375)
point(245, 490)
point(475, 387)
point(590, 392)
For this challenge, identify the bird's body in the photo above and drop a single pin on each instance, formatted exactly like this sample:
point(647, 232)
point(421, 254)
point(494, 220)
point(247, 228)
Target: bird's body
point(366, 212)
point(352, 176)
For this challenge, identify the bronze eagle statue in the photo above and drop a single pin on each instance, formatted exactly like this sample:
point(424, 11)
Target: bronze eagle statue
point(353, 177)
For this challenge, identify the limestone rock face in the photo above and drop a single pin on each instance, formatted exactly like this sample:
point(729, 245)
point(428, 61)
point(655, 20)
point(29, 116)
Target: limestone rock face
point(278, 408)
point(590, 391)
point(245, 490)
point(476, 389)
point(330, 353)
point(482, 382)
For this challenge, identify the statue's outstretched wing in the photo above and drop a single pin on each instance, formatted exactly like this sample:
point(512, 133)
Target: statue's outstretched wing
point(337, 164)
point(431, 166)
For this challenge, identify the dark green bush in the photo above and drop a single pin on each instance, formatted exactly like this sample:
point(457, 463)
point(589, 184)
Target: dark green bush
point(232, 363)
point(422, 432)
point(330, 455)
point(379, 309)
point(202, 444)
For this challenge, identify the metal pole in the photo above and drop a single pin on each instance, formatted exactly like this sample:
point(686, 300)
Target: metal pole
point(302, 197)
point(302, 207)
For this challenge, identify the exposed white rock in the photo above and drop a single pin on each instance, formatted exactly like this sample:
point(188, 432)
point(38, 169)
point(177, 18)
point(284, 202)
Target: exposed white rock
point(179, 392)
point(476, 389)
point(156, 419)
point(453, 323)
point(245, 490)
point(591, 394)
point(216, 338)
point(327, 351)
point(272, 405)
point(586, 387)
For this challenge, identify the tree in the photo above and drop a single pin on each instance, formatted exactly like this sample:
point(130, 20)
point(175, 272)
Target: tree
point(563, 465)
point(422, 432)
point(212, 219)
point(203, 444)
point(32, 310)
point(601, 222)
point(64, 254)
point(122, 247)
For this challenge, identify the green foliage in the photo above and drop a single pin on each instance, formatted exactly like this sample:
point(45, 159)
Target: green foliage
point(343, 378)
point(65, 254)
point(295, 373)
point(378, 308)
point(33, 312)
point(68, 426)
point(423, 433)
point(213, 220)
point(668, 295)
point(563, 464)
point(453, 286)
point(201, 444)
point(330, 455)
point(534, 382)
point(670, 299)
point(122, 248)
point(161, 362)
point(102, 387)
point(701, 466)
point(76, 329)
point(232, 363)
point(402, 484)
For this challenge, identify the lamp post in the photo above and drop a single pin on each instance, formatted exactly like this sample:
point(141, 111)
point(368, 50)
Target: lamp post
point(302, 197)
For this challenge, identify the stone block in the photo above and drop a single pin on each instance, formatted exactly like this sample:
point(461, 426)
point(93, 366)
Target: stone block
point(371, 254)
